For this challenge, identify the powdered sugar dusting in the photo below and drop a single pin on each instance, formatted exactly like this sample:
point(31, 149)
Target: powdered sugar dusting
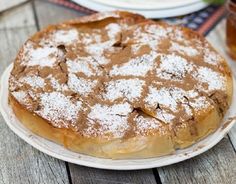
point(112, 30)
point(80, 85)
point(33, 81)
point(126, 88)
point(81, 65)
point(173, 98)
point(56, 107)
point(97, 50)
point(164, 116)
point(44, 56)
point(138, 66)
point(177, 34)
point(192, 94)
point(20, 96)
point(155, 96)
point(159, 32)
point(214, 80)
point(89, 38)
point(190, 51)
point(145, 124)
point(188, 109)
point(86, 65)
point(146, 38)
point(112, 119)
point(173, 67)
point(56, 85)
point(211, 57)
point(200, 103)
point(151, 35)
point(135, 48)
point(65, 36)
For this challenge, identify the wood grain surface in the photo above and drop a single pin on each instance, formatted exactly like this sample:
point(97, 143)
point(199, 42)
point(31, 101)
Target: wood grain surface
point(215, 166)
point(7, 4)
point(22, 164)
point(80, 175)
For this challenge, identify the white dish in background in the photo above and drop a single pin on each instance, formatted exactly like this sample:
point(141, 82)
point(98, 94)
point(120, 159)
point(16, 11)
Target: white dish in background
point(62, 153)
point(147, 4)
point(157, 13)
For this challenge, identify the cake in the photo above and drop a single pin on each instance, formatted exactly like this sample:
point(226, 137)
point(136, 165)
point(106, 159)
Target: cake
point(116, 85)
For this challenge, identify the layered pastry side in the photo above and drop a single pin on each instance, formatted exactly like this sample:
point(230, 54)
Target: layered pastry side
point(117, 85)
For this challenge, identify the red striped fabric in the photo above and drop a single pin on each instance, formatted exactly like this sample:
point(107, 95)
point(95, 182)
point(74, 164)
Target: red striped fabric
point(212, 21)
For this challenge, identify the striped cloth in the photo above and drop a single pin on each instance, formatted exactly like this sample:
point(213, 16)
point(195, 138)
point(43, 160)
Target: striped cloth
point(202, 21)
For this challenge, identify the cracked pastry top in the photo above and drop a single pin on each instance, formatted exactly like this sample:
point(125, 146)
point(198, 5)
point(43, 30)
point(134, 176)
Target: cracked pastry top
point(117, 85)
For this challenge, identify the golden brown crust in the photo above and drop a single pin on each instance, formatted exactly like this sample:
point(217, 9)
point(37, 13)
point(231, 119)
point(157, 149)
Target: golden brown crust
point(137, 147)
point(117, 85)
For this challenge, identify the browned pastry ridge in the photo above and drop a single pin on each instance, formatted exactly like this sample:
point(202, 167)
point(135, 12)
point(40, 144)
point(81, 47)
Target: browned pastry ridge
point(117, 85)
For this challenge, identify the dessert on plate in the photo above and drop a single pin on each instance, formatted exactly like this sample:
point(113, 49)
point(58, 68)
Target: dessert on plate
point(117, 85)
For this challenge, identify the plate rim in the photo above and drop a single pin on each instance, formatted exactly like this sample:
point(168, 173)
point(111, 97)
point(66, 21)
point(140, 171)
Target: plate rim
point(156, 14)
point(181, 157)
point(145, 6)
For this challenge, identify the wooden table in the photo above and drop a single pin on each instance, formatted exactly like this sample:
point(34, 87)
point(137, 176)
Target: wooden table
point(22, 164)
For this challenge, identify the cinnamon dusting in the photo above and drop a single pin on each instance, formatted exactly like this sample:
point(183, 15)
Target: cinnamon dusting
point(119, 77)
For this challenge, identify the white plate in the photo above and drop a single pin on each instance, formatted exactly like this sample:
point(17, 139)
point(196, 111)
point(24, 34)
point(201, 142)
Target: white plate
point(161, 13)
point(147, 4)
point(60, 152)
